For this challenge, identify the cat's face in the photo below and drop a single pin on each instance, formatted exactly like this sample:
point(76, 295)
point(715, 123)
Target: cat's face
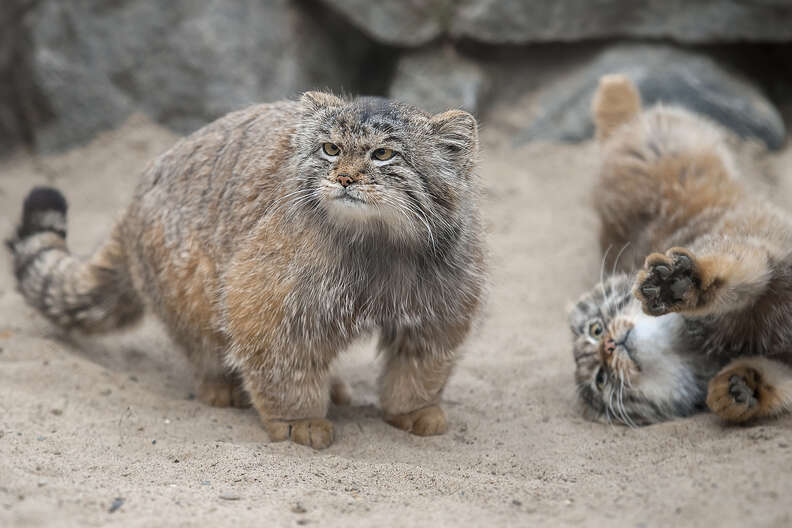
point(376, 165)
point(630, 367)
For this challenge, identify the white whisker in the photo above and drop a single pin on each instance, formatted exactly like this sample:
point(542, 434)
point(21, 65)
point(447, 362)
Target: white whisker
point(602, 271)
point(616, 262)
point(624, 412)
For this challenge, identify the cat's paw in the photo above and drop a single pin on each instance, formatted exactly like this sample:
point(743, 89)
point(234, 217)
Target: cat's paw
point(423, 422)
point(735, 395)
point(222, 392)
point(668, 283)
point(313, 432)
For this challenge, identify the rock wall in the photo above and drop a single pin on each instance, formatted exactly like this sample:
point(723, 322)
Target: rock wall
point(72, 68)
point(663, 74)
point(22, 106)
point(183, 62)
point(416, 22)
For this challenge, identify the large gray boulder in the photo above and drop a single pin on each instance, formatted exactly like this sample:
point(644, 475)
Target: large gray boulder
point(21, 105)
point(183, 62)
point(397, 22)
point(663, 74)
point(690, 21)
point(414, 22)
point(9, 126)
point(437, 79)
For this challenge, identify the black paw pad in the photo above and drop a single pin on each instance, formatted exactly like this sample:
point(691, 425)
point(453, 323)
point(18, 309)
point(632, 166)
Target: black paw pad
point(682, 263)
point(679, 286)
point(667, 283)
point(740, 391)
point(662, 271)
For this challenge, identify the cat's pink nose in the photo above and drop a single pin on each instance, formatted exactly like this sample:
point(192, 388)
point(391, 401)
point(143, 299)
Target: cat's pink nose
point(609, 347)
point(345, 180)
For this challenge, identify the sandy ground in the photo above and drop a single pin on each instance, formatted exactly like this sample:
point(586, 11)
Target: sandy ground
point(84, 422)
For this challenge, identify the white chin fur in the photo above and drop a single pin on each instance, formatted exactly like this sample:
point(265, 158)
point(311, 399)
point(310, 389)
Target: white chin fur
point(348, 210)
point(653, 341)
point(365, 217)
point(343, 205)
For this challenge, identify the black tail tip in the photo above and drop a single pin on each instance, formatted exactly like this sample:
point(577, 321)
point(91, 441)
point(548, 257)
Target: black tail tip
point(44, 210)
point(44, 199)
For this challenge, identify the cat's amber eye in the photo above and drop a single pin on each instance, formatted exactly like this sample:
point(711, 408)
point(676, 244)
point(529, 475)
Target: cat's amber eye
point(383, 154)
point(331, 149)
point(596, 329)
point(599, 379)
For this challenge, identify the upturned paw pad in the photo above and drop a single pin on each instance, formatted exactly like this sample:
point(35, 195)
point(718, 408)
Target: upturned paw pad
point(734, 394)
point(740, 392)
point(428, 421)
point(668, 282)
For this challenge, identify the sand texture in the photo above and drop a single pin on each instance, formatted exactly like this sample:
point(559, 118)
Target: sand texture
point(84, 422)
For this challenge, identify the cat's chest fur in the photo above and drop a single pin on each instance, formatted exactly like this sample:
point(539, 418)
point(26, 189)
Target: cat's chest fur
point(317, 288)
point(360, 286)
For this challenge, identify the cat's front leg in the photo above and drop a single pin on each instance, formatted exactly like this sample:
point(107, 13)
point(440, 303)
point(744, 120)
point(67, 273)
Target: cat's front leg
point(417, 368)
point(291, 397)
point(284, 368)
point(749, 388)
point(288, 381)
point(726, 276)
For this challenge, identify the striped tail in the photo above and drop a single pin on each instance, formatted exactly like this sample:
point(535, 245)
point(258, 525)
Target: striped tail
point(92, 296)
point(616, 102)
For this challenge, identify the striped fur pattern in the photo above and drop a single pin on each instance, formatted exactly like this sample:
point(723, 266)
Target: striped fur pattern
point(698, 308)
point(265, 252)
point(90, 296)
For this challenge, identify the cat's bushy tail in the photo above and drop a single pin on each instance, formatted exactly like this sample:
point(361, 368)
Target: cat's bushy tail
point(93, 295)
point(616, 102)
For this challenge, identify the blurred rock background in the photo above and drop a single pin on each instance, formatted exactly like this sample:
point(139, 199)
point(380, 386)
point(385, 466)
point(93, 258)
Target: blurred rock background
point(72, 68)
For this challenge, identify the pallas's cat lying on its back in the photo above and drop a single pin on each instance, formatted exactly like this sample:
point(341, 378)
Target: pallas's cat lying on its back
point(701, 309)
point(269, 239)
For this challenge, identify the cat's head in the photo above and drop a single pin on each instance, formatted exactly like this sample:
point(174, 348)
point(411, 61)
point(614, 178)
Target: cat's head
point(375, 165)
point(632, 368)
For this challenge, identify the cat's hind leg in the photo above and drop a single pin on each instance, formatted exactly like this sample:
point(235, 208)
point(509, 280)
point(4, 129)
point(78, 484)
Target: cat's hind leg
point(222, 389)
point(751, 387)
point(216, 383)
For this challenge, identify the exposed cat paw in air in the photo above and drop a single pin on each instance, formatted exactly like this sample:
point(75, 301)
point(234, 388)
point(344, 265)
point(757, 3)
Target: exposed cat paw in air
point(312, 432)
point(736, 394)
point(740, 393)
point(751, 387)
point(668, 283)
point(428, 421)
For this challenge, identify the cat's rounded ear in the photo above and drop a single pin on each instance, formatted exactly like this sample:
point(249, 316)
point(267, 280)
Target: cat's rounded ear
point(315, 101)
point(457, 133)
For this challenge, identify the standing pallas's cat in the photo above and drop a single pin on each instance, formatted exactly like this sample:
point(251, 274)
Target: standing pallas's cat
point(708, 315)
point(270, 239)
